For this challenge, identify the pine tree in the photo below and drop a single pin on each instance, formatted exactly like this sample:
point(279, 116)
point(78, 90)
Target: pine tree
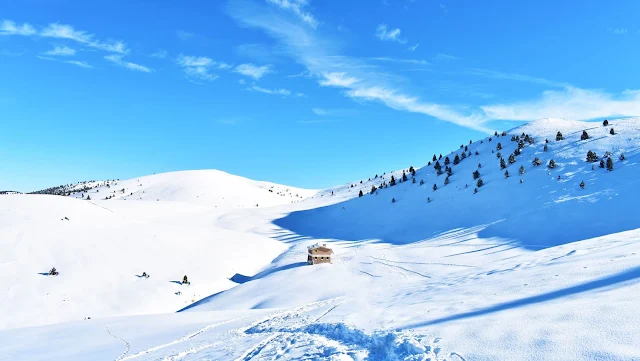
point(521, 144)
point(88, 197)
point(440, 156)
point(428, 200)
point(503, 164)
point(499, 146)
point(552, 164)
point(421, 181)
point(517, 151)
point(404, 176)
point(546, 148)
point(446, 180)
point(499, 155)
point(475, 190)
point(521, 170)
point(446, 160)
point(434, 158)
point(504, 133)
point(512, 159)
point(413, 180)
point(582, 184)
point(456, 159)
point(476, 175)
point(466, 148)
point(449, 172)
point(360, 194)
point(537, 161)
point(393, 200)
point(496, 133)
point(592, 157)
point(435, 187)
point(479, 183)
point(605, 123)
point(463, 156)
point(411, 170)
point(609, 164)
point(392, 182)
point(584, 135)
point(506, 174)
point(622, 156)
point(437, 166)
point(559, 136)
point(479, 165)
point(612, 132)
point(185, 280)
point(601, 163)
point(373, 190)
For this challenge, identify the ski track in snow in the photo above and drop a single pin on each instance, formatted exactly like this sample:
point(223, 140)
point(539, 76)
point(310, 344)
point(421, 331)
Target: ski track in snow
point(126, 344)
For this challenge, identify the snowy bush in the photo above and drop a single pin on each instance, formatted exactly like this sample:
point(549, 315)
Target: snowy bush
point(499, 146)
point(552, 164)
point(582, 184)
point(521, 170)
point(592, 157)
point(512, 159)
point(479, 183)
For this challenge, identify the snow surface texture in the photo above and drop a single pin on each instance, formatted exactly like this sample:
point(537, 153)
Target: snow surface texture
point(538, 270)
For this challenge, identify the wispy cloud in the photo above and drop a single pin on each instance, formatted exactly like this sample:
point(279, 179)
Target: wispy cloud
point(386, 34)
point(62, 31)
point(253, 71)
point(324, 112)
point(8, 27)
point(401, 61)
point(302, 74)
point(160, 54)
point(117, 60)
point(355, 77)
point(82, 64)
point(515, 77)
point(574, 103)
point(281, 91)
point(200, 67)
point(184, 35)
point(297, 8)
point(619, 31)
point(413, 47)
point(446, 56)
point(61, 51)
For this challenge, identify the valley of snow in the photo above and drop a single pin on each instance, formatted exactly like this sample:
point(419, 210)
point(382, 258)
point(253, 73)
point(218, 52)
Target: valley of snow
point(534, 270)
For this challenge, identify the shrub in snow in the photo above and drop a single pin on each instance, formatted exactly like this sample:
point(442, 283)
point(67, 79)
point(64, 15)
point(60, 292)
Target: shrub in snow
point(421, 181)
point(521, 170)
point(552, 164)
point(559, 136)
point(446, 180)
point(546, 141)
point(537, 161)
point(503, 164)
point(496, 133)
point(428, 200)
point(145, 275)
point(475, 190)
point(609, 164)
point(435, 187)
point(621, 156)
point(476, 175)
point(504, 133)
point(413, 180)
point(612, 132)
point(605, 123)
point(517, 151)
point(393, 200)
point(499, 155)
point(185, 280)
point(359, 194)
point(477, 153)
point(88, 197)
point(584, 135)
point(479, 183)
point(479, 165)
point(545, 148)
point(456, 159)
point(601, 163)
point(489, 139)
point(53, 272)
point(512, 159)
point(506, 174)
point(582, 184)
point(499, 146)
point(446, 160)
point(521, 181)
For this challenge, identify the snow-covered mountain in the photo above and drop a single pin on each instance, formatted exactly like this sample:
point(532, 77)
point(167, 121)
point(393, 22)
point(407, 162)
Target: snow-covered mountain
point(530, 267)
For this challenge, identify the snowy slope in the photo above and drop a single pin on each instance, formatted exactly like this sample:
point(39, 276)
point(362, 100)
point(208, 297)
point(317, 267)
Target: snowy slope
point(538, 270)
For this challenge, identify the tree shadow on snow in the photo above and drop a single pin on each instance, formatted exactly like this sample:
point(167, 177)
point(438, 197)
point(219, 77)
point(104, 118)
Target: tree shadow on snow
point(43, 273)
point(176, 282)
point(627, 277)
point(239, 278)
point(534, 218)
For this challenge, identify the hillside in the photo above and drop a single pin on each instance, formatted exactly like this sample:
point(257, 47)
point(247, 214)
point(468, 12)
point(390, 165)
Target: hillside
point(541, 269)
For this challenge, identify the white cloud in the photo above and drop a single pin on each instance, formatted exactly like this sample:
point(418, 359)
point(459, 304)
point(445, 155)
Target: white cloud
point(574, 103)
point(64, 31)
point(297, 7)
point(117, 60)
point(8, 27)
point(160, 54)
point(516, 77)
point(253, 71)
point(414, 47)
point(281, 91)
point(333, 112)
point(61, 51)
point(338, 79)
point(386, 34)
point(198, 67)
point(619, 31)
point(82, 64)
point(359, 80)
point(406, 61)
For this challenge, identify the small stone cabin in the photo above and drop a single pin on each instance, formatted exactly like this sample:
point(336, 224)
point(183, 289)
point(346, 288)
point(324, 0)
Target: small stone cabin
point(319, 254)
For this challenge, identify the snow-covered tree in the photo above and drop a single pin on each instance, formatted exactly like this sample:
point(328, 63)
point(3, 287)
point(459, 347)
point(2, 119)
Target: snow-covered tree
point(456, 159)
point(435, 187)
point(521, 170)
point(592, 156)
point(392, 182)
point(605, 123)
point(446, 160)
point(360, 194)
point(582, 184)
point(559, 136)
point(503, 164)
point(476, 175)
point(479, 183)
point(612, 132)
point(506, 174)
point(584, 135)
point(499, 146)
point(609, 164)
point(446, 180)
point(512, 159)
point(537, 161)
point(545, 148)
point(552, 164)
point(185, 280)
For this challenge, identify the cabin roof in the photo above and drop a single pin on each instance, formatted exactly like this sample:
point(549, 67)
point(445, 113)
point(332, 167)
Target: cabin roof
point(321, 248)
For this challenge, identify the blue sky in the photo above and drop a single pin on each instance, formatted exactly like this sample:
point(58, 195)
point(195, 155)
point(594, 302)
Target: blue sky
point(302, 92)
